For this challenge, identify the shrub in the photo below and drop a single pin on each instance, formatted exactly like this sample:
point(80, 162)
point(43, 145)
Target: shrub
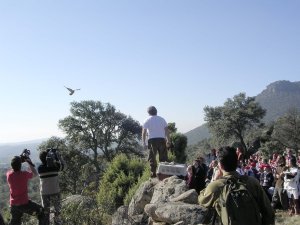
point(121, 175)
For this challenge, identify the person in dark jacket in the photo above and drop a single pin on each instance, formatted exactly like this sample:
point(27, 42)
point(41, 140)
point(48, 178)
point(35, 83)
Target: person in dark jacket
point(200, 174)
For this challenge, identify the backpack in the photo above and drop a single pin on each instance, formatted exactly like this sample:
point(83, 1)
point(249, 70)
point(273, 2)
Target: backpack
point(236, 205)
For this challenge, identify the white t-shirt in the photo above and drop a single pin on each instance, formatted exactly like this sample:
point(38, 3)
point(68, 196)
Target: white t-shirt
point(155, 126)
point(293, 182)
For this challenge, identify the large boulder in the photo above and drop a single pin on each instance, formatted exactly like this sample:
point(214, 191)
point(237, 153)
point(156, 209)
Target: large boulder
point(167, 189)
point(166, 202)
point(190, 197)
point(175, 212)
point(142, 197)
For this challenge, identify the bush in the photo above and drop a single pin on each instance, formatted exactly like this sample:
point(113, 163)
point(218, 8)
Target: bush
point(122, 174)
point(145, 176)
point(83, 210)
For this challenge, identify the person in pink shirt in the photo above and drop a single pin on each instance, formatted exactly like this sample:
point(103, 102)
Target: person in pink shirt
point(18, 187)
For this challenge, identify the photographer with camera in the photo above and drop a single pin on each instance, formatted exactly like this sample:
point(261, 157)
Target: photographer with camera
point(48, 171)
point(18, 185)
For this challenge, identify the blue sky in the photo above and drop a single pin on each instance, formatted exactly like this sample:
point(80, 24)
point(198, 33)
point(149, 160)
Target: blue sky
point(177, 55)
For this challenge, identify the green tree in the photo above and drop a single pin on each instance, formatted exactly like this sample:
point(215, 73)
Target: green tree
point(234, 118)
point(78, 173)
point(287, 130)
point(53, 142)
point(179, 144)
point(96, 127)
point(201, 148)
point(172, 128)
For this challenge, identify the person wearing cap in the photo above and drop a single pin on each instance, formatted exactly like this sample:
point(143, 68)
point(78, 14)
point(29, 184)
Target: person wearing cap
point(155, 128)
point(20, 203)
point(267, 180)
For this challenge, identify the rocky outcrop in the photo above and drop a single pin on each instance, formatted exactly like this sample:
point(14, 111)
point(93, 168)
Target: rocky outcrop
point(167, 202)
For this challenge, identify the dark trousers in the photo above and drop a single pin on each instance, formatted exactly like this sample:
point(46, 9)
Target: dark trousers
point(55, 201)
point(1, 220)
point(280, 198)
point(30, 208)
point(157, 145)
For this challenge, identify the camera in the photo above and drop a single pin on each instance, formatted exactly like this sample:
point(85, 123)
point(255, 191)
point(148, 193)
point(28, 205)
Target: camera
point(25, 155)
point(53, 158)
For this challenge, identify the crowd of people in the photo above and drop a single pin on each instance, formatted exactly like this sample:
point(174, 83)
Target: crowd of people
point(18, 179)
point(274, 182)
point(236, 199)
point(278, 176)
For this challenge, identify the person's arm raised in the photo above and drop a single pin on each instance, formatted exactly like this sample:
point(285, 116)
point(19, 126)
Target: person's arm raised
point(32, 167)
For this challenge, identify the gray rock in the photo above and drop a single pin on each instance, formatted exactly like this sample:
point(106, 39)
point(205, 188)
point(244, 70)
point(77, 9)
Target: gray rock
point(142, 197)
point(166, 202)
point(190, 197)
point(168, 188)
point(174, 212)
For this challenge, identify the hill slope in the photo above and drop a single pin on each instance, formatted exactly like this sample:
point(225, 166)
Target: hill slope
point(197, 134)
point(277, 99)
point(7, 151)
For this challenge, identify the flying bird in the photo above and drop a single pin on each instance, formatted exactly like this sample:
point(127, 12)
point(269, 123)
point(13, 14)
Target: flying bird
point(71, 90)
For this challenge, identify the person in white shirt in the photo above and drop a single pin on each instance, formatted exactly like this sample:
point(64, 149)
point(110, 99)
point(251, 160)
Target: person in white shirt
point(291, 181)
point(155, 128)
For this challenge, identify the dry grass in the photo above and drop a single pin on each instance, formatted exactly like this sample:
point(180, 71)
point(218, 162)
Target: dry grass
point(282, 218)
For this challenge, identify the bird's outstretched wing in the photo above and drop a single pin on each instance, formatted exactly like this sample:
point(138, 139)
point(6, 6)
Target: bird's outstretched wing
point(71, 90)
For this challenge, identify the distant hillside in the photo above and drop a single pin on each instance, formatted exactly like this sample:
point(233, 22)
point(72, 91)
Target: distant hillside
point(7, 151)
point(197, 134)
point(277, 99)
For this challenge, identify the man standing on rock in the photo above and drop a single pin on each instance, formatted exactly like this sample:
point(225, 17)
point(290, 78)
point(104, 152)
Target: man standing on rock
point(156, 129)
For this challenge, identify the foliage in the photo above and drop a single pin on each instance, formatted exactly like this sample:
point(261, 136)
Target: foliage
point(172, 128)
point(78, 173)
point(178, 146)
point(121, 175)
point(171, 157)
point(287, 129)
point(145, 176)
point(83, 211)
point(53, 142)
point(179, 142)
point(202, 148)
point(234, 118)
point(95, 126)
